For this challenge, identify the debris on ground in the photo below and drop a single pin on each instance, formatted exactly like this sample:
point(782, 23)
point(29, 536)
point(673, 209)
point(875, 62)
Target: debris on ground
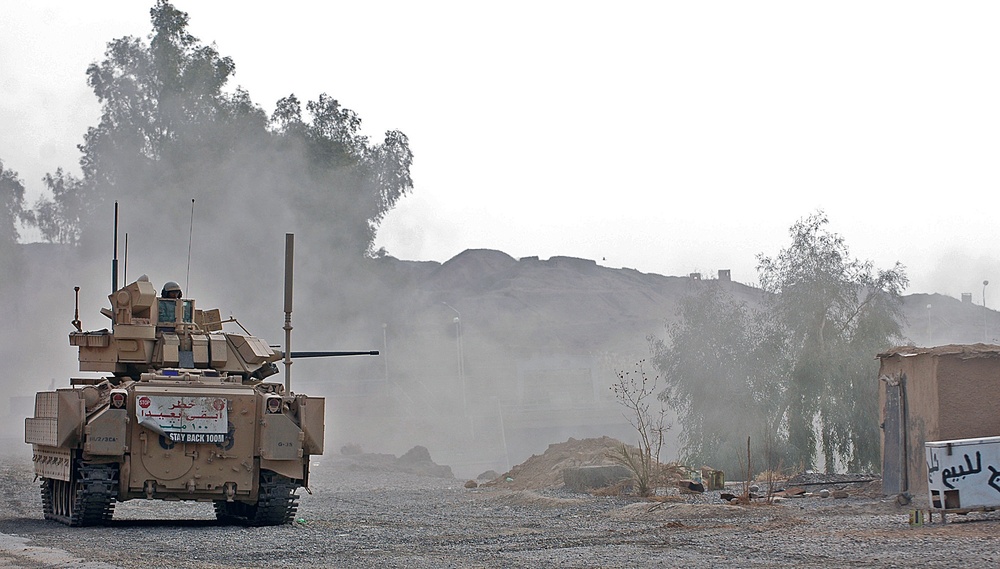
point(587, 478)
point(819, 478)
point(713, 479)
point(691, 486)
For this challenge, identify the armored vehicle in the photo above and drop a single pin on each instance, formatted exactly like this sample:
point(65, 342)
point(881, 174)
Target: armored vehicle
point(184, 413)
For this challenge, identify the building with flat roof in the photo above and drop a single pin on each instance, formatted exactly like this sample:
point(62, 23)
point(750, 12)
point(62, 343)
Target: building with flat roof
point(933, 394)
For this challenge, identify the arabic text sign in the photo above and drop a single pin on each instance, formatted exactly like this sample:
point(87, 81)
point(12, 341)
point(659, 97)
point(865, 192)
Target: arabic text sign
point(185, 415)
point(966, 469)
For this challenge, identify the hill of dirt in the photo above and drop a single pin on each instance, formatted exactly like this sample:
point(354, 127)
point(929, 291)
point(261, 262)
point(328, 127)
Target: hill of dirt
point(546, 470)
point(572, 303)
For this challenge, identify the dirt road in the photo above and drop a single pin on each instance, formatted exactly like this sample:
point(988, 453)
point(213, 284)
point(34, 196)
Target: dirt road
point(357, 517)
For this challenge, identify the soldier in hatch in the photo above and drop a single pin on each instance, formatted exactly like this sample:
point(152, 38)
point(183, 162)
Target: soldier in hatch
point(171, 290)
point(168, 310)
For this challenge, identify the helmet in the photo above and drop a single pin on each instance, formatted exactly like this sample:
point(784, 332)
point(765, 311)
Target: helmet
point(171, 287)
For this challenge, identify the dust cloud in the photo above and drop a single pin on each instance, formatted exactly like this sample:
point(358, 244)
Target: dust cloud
point(524, 366)
point(517, 370)
point(485, 359)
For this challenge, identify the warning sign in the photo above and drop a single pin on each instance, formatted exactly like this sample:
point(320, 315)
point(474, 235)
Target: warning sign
point(185, 416)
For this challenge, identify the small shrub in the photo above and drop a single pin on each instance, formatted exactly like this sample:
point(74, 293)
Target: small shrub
point(633, 390)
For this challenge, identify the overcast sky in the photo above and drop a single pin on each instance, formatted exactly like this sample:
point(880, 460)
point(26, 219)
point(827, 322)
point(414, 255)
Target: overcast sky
point(670, 137)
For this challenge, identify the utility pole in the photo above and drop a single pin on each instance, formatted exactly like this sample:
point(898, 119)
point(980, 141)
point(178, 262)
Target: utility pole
point(985, 312)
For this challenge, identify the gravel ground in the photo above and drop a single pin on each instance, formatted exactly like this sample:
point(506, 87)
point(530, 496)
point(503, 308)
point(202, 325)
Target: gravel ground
point(357, 517)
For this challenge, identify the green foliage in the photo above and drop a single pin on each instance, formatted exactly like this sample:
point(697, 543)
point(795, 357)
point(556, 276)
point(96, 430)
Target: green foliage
point(170, 131)
point(12, 213)
point(724, 365)
point(838, 312)
point(797, 372)
point(11, 206)
point(59, 218)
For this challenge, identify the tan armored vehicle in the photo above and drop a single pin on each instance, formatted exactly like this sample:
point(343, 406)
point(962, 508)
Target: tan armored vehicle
point(184, 414)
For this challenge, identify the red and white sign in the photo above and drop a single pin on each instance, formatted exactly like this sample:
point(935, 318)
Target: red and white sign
point(185, 415)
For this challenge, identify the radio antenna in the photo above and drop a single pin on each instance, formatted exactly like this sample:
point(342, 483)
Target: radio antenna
point(187, 279)
point(125, 264)
point(289, 261)
point(114, 261)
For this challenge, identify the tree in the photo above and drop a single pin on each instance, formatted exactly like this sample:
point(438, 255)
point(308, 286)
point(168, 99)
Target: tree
point(837, 312)
point(170, 131)
point(11, 206)
point(797, 371)
point(725, 366)
point(59, 218)
point(12, 213)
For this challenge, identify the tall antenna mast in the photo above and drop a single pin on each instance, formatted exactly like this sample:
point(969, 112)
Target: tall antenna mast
point(187, 279)
point(125, 264)
point(289, 257)
point(114, 261)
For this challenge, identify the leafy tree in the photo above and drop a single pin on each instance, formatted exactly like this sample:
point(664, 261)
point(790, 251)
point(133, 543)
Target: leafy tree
point(837, 312)
point(797, 371)
point(725, 367)
point(59, 218)
point(170, 130)
point(12, 213)
point(11, 206)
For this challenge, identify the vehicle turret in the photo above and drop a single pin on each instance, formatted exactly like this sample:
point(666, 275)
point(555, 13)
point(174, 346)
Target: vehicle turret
point(150, 332)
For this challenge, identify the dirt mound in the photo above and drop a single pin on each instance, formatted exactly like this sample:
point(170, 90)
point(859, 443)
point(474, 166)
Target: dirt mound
point(416, 461)
point(546, 470)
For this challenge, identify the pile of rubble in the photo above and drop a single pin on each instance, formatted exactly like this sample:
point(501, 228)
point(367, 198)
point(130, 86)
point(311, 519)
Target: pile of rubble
point(546, 470)
point(581, 465)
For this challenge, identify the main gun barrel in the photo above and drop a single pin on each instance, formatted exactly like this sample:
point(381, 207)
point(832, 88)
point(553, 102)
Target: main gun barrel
point(332, 354)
